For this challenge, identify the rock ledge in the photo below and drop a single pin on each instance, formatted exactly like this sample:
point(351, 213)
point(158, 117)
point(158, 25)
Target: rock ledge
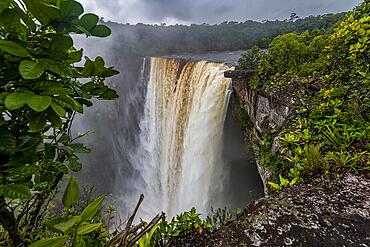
point(318, 213)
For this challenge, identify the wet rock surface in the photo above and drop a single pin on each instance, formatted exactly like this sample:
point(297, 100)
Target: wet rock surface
point(317, 213)
point(266, 113)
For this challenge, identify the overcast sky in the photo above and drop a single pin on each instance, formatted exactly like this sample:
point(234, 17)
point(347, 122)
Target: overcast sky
point(210, 11)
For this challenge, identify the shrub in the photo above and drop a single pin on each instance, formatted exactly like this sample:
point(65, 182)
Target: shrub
point(40, 93)
point(331, 123)
point(250, 59)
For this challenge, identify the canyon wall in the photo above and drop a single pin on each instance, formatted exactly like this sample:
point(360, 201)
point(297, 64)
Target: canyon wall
point(266, 114)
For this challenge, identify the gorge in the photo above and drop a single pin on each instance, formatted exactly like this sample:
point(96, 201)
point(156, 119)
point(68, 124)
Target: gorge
point(182, 136)
point(188, 148)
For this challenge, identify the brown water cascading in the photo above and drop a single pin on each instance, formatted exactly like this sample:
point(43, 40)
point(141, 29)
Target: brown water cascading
point(182, 133)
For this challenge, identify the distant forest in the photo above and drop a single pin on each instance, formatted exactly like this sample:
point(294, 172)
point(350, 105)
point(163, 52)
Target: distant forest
point(152, 40)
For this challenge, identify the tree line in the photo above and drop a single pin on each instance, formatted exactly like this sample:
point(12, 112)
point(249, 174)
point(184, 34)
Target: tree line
point(150, 40)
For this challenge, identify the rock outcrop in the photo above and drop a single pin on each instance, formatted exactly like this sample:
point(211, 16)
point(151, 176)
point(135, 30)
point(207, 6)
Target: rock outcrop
point(320, 213)
point(266, 114)
point(309, 214)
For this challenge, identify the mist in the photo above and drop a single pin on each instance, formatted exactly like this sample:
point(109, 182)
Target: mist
point(114, 165)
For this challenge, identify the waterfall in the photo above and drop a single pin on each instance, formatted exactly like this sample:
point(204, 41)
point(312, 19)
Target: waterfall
point(165, 137)
point(180, 154)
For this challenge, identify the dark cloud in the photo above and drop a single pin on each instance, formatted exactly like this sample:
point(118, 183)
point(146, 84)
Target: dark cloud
point(211, 11)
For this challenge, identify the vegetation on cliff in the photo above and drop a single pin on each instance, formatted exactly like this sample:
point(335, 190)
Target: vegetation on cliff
point(324, 75)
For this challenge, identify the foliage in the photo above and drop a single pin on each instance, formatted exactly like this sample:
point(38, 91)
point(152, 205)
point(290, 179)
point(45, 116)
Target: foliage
point(250, 58)
point(221, 216)
point(243, 116)
point(290, 57)
point(326, 74)
point(349, 47)
point(40, 93)
point(154, 40)
point(77, 229)
point(183, 226)
point(283, 182)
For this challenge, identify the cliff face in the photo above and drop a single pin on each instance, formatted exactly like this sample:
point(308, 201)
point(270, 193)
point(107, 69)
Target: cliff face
point(324, 211)
point(265, 114)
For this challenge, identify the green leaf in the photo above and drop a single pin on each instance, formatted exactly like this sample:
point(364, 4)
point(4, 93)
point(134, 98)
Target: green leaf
point(15, 191)
point(294, 181)
point(50, 242)
point(89, 86)
point(49, 152)
point(21, 173)
point(26, 18)
point(61, 43)
point(37, 123)
point(109, 72)
point(11, 23)
point(151, 233)
point(79, 29)
point(39, 103)
point(52, 12)
point(34, 7)
point(56, 67)
point(101, 31)
point(57, 90)
point(85, 102)
point(13, 48)
point(7, 142)
point(2, 121)
point(30, 70)
point(65, 139)
point(109, 94)
point(3, 95)
point(17, 100)
point(66, 226)
point(89, 212)
point(82, 230)
point(58, 109)
point(4, 4)
point(88, 21)
point(73, 164)
point(79, 148)
point(70, 8)
point(88, 69)
point(57, 167)
point(55, 120)
point(74, 57)
point(70, 196)
point(67, 101)
point(54, 221)
point(23, 158)
point(99, 64)
point(283, 181)
point(275, 186)
point(27, 143)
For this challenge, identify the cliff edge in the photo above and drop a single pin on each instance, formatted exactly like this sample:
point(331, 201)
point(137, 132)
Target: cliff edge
point(316, 213)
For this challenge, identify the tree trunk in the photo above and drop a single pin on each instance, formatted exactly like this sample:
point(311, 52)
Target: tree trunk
point(8, 221)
